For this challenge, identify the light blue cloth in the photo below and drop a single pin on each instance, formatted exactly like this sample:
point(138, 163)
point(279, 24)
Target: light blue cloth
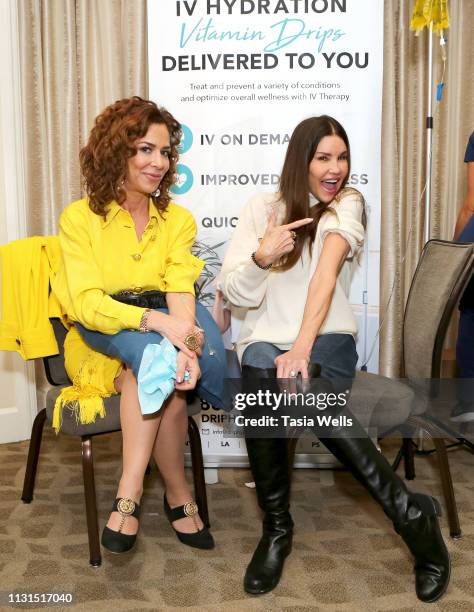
point(157, 375)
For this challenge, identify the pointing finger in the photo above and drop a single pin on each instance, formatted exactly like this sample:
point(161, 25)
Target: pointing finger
point(298, 223)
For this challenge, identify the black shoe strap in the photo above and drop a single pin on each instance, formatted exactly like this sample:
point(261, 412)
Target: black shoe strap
point(126, 506)
point(188, 509)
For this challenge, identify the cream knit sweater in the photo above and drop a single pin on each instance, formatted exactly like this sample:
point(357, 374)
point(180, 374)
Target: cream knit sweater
point(271, 304)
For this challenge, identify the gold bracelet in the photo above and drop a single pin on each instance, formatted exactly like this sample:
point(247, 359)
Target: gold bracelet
point(144, 322)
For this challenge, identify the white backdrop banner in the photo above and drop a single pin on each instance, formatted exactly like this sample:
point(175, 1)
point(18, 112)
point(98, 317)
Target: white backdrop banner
point(239, 75)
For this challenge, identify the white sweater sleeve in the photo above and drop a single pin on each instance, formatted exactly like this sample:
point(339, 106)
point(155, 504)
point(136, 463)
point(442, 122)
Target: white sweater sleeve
point(242, 282)
point(347, 220)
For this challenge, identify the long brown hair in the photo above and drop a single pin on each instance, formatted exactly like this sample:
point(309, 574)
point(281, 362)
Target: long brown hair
point(294, 180)
point(110, 145)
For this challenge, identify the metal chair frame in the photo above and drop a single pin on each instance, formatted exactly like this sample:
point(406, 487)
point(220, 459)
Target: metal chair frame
point(434, 429)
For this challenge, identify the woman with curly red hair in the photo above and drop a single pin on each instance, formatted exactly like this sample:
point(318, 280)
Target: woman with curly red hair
point(127, 269)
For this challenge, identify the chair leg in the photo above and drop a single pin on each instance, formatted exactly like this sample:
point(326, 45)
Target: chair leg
point(398, 459)
point(198, 470)
point(33, 456)
point(292, 442)
point(408, 458)
point(91, 502)
point(448, 490)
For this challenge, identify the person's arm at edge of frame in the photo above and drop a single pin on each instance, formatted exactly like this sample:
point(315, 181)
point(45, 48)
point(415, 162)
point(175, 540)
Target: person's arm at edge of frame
point(320, 292)
point(467, 209)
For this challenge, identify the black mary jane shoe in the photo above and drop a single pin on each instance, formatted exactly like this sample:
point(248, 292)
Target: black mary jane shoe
point(199, 539)
point(116, 541)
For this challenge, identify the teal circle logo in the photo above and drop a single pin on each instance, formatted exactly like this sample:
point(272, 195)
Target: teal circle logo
point(184, 180)
point(186, 139)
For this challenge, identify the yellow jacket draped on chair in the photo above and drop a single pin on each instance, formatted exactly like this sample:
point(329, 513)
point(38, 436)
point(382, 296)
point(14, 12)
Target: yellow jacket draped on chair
point(27, 268)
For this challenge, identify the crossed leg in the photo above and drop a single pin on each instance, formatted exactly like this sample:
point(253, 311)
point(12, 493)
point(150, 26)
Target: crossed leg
point(142, 436)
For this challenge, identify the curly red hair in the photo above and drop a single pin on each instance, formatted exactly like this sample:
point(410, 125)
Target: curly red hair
point(111, 143)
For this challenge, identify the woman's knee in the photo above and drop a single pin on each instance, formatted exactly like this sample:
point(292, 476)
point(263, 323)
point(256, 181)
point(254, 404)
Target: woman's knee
point(260, 355)
point(337, 355)
point(213, 352)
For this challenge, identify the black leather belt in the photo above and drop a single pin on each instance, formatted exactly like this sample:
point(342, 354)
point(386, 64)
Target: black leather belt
point(147, 299)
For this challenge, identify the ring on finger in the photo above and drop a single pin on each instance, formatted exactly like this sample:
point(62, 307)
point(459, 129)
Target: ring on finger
point(292, 374)
point(293, 235)
point(192, 341)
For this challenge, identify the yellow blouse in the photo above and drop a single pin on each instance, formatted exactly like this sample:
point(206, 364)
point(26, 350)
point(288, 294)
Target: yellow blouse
point(104, 256)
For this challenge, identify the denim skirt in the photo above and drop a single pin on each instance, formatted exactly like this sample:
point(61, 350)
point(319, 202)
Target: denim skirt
point(128, 346)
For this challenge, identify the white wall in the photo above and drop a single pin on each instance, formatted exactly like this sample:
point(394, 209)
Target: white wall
point(17, 389)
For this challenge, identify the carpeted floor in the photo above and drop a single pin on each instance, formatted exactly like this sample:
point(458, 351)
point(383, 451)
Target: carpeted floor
point(345, 557)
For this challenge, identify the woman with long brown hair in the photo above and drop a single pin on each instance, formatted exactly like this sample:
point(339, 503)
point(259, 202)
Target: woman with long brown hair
point(289, 265)
point(127, 285)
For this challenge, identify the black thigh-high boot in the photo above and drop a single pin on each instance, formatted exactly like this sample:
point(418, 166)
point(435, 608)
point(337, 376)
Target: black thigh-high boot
point(414, 515)
point(269, 464)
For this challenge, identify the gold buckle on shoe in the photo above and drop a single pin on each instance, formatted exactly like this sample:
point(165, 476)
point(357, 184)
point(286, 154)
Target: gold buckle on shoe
point(190, 509)
point(126, 506)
